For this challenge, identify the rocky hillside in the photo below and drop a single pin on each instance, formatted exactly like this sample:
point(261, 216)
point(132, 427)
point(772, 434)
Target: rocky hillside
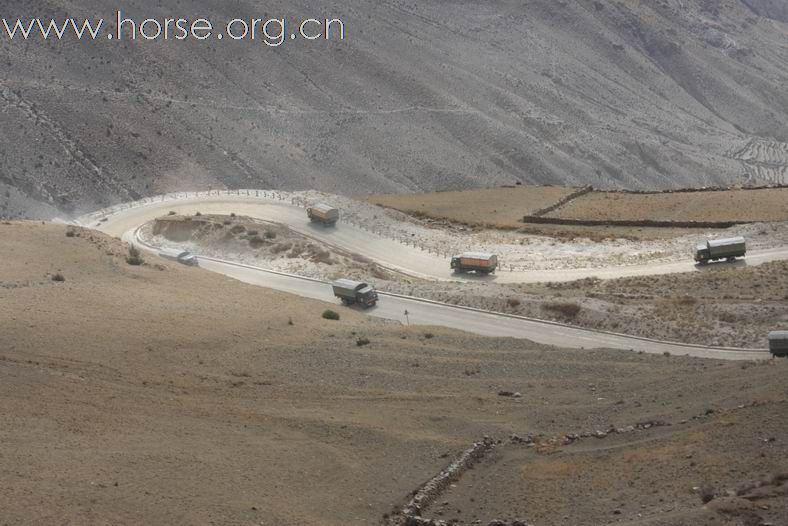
point(419, 96)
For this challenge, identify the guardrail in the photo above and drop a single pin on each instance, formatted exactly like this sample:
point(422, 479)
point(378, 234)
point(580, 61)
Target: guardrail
point(95, 218)
point(474, 309)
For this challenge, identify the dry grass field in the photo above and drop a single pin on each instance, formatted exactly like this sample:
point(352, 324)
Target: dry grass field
point(769, 204)
point(505, 208)
point(497, 207)
point(160, 394)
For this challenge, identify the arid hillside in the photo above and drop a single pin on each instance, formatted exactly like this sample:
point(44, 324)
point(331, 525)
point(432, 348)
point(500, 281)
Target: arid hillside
point(156, 393)
point(419, 96)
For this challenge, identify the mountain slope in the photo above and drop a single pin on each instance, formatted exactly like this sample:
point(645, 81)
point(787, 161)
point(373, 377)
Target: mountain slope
point(419, 96)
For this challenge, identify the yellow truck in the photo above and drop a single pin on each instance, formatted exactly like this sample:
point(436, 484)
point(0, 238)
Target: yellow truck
point(478, 262)
point(323, 213)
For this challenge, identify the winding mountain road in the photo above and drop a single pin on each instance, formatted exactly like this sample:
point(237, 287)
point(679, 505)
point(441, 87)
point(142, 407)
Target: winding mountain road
point(124, 221)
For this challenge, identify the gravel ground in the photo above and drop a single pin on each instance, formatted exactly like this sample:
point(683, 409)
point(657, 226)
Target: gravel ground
point(161, 393)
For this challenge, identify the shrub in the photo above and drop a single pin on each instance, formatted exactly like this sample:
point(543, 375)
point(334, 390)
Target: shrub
point(329, 314)
point(197, 214)
point(707, 494)
point(567, 310)
point(58, 277)
point(70, 233)
point(270, 234)
point(135, 257)
point(361, 342)
point(323, 257)
point(171, 213)
point(281, 247)
point(252, 233)
point(685, 301)
point(232, 214)
point(513, 302)
point(728, 317)
point(428, 336)
point(256, 242)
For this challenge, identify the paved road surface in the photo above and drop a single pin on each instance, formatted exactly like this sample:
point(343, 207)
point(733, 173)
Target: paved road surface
point(124, 223)
point(388, 252)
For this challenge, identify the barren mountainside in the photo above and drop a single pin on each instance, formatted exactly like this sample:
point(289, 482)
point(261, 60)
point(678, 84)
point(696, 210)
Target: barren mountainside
point(419, 96)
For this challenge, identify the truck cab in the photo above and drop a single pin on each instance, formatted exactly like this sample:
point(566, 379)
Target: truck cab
point(702, 253)
point(778, 343)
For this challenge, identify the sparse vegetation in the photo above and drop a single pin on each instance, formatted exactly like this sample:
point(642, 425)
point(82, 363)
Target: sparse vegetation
point(324, 257)
point(329, 314)
point(564, 309)
point(727, 317)
point(685, 301)
point(707, 494)
point(134, 257)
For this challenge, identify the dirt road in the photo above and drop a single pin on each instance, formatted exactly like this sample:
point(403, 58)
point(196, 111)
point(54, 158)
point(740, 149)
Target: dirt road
point(125, 223)
point(384, 251)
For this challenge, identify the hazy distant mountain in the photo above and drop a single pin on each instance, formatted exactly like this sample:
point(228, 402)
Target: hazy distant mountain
point(421, 95)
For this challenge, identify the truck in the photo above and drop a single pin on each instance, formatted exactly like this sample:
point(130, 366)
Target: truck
point(778, 343)
point(323, 213)
point(478, 262)
point(180, 256)
point(355, 292)
point(714, 249)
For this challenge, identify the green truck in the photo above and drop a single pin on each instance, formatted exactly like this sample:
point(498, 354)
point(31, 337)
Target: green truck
point(778, 343)
point(355, 292)
point(715, 249)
